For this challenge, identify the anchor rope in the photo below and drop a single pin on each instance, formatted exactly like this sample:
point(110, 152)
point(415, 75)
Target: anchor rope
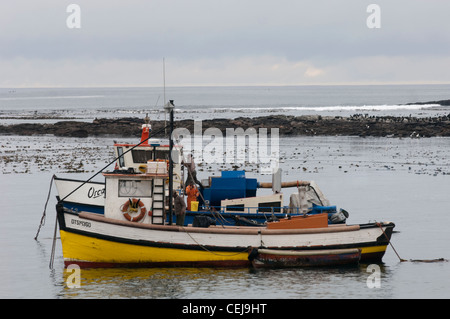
point(389, 241)
point(42, 223)
point(52, 255)
point(411, 260)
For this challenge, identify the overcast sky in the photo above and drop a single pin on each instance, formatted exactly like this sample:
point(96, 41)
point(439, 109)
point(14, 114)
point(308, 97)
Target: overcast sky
point(226, 42)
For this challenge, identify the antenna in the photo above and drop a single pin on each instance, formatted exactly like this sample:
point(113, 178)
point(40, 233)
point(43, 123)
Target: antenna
point(156, 104)
point(164, 79)
point(164, 91)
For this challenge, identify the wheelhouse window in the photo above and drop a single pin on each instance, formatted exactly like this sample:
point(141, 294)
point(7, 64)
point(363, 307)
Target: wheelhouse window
point(142, 156)
point(135, 188)
point(120, 154)
point(162, 154)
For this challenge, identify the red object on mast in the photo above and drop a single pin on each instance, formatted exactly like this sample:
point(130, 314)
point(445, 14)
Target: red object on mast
point(146, 128)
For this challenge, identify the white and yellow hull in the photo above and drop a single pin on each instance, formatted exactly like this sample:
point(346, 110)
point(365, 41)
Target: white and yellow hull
point(91, 240)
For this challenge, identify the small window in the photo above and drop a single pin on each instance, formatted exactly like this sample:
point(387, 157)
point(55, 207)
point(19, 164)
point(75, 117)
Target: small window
point(141, 156)
point(137, 188)
point(236, 208)
point(267, 207)
point(121, 159)
point(162, 154)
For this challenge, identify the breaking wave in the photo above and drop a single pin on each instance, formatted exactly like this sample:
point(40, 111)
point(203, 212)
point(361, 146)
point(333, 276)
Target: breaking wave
point(311, 108)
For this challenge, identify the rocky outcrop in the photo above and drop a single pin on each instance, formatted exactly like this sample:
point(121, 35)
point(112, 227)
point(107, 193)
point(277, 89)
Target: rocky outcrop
point(356, 125)
point(441, 102)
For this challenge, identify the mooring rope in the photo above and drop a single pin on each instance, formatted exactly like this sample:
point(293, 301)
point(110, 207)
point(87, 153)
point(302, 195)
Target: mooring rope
point(411, 260)
point(390, 243)
point(52, 255)
point(42, 223)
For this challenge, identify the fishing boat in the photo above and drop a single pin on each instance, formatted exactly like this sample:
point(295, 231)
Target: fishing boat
point(134, 231)
point(130, 234)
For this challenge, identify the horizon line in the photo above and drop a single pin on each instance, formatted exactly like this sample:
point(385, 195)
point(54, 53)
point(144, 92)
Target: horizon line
point(226, 85)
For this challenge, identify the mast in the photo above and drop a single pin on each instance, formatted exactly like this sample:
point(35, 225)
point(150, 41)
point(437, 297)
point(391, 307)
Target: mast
point(169, 108)
point(164, 94)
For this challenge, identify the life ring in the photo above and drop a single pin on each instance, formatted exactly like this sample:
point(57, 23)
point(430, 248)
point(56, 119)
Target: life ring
point(132, 206)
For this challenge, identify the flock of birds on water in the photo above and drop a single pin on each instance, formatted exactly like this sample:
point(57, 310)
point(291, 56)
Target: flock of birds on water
point(33, 154)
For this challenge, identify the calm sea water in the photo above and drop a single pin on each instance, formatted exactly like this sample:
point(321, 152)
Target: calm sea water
point(402, 180)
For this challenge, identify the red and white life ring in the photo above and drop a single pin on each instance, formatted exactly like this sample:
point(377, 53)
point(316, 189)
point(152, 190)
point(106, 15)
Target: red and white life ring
point(133, 206)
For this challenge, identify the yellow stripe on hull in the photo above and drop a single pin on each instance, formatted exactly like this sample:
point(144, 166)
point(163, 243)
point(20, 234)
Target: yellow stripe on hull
point(372, 254)
point(104, 253)
point(92, 250)
point(373, 249)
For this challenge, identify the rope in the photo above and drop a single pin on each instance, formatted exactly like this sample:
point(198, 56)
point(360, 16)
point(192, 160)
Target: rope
point(212, 252)
point(218, 216)
point(52, 256)
point(42, 223)
point(411, 260)
point(389, 241)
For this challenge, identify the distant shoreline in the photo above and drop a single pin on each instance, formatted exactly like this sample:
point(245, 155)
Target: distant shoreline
point(442, 103)
point(306, 125)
